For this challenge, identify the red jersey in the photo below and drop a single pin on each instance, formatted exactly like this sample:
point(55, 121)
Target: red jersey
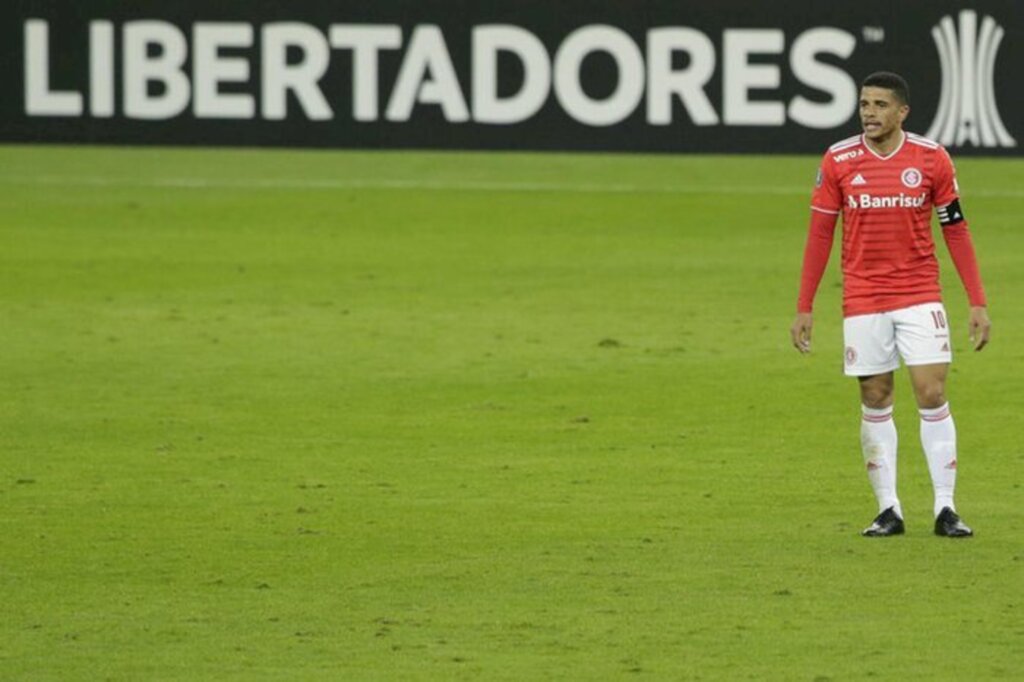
point(888, 255)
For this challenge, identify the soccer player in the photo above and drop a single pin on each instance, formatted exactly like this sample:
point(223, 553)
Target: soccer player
point(885, 183)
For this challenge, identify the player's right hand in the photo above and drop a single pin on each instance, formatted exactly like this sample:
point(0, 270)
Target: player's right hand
point(801, 332)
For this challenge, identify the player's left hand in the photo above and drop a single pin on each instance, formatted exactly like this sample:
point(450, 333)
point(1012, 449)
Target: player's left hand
point(980, 326)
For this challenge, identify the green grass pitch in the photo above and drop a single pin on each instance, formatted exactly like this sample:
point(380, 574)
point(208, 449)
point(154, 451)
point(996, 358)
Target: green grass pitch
point(273, 415)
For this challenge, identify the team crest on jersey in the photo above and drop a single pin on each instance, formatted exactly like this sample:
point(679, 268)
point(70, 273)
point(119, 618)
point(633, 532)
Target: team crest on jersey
point(911, 177)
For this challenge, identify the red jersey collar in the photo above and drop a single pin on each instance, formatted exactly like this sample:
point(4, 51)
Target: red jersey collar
point(894, 152)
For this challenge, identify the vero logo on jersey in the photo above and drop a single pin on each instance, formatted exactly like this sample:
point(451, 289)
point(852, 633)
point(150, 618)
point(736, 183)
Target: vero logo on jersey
point(900, 200)
point(846, 156)
point(967, 107)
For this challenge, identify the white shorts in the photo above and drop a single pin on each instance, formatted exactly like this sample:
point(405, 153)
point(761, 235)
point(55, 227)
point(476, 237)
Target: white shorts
point(876, 342)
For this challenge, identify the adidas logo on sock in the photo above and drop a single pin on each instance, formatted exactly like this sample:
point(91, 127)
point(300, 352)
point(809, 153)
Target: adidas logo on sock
point(859, 180)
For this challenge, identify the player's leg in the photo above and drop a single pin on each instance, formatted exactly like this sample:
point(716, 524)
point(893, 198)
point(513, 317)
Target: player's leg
point(929, 382)
point(878, 443)
point(871, 357)
point(923, 341)
point(876, 391)
point(938, 439)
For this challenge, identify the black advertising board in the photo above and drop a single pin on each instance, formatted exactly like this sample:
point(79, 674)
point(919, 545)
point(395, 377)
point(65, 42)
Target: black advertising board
point(612, 75)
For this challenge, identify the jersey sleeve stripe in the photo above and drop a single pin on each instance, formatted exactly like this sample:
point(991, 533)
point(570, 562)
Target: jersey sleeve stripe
point(921, 143)
point(844, 143)
point(924, 141)
point(824, 210)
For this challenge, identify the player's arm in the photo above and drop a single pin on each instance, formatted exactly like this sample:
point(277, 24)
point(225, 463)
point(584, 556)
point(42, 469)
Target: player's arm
point(961, 248)
point(825, 205)
point(816, 252)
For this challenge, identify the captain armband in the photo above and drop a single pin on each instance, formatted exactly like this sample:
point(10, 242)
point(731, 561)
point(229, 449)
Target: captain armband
point(950, 214)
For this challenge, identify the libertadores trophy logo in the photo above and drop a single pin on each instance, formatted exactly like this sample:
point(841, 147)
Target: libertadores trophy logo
point(967, 107)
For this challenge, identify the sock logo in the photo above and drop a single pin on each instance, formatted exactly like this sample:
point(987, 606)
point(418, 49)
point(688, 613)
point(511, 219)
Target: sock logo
point(967, 106)
point(951, 465)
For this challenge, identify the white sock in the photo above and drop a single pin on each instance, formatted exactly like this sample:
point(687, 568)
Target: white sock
point(938, 438)
point(878, 443)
